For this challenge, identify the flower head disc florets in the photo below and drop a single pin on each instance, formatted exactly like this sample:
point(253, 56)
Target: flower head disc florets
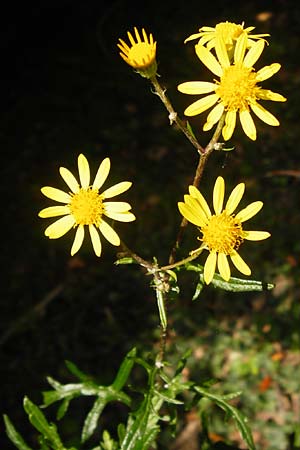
point(142, 53)
point(222, 233)
point(238, 88)
point(85, 206)
point(237, 92)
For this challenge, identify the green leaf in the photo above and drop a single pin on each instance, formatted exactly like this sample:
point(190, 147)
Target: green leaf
point(73, 369)
point(107, 443)
point(168, 398)
point(63, 408)
point(182, 362)
point(234, 284)
point(161, 308)
point(105, 395)
point(190, 129)
point(69, 391)
point(198, 290)
point(14, 436)
point(172, 274)
point(239, 418)
point(124, 370)
point(92, 418)
point(125, 260)
point(142, 424)
point(40, 422)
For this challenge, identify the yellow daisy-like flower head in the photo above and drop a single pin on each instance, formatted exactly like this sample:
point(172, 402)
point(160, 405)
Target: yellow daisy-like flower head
point(228, 32)
point(222, 232)
point(237, 92)
point(85, 206)
point(141, 54)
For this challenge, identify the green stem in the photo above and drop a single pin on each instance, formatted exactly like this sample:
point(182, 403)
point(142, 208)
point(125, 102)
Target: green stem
point(173, 116)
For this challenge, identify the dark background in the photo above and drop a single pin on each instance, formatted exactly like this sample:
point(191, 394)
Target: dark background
point(64, 91)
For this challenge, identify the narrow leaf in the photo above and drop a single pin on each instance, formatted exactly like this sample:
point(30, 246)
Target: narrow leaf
point(40, 422)
point(124, 370)
point(63, 408)
point(234, 284)
point(161, 308)
point(125, 260)
point(92, 418)
point(239, 418)
point(14, 436)
point(198, 290)
point(77, 372)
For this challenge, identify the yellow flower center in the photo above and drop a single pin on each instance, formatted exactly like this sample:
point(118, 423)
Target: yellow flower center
point(87, 207)
point(141, 55)
point(228, 31)
point(237, 88)
point(223, 233)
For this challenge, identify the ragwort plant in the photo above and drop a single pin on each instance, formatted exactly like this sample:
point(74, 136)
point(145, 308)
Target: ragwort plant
point(230, 52)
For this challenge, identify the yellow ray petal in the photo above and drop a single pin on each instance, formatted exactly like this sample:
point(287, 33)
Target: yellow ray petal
point(197, 194)
point(249, 211)
point(109, 233)
point(218, 195)
point(102, 174)
point(201, 105)
point(123, 46)
point(208, 60)
point(240, 263)
point(223, 266)
point(230, 122)
point(210, 267)
point(84, 171)
point(240, 48)
point(266, 94)
point(256, 235)
point(116, 189)
point(222, 53)
point(54, 211)
point(95, 238)
point(267, 72)
point(214, 116)
point(121, 217)
point(192, 37)
point(254, 53)
point(195, 208)
point(189, 215)
point(137, 35)
point(78, 240)
point(56, 194)
point(248, 124)
point(264, 115)
point(235, 198)
point(60, 227)
point(196, 87)
point(119, 207)
point(69, 179)
point(132, 41)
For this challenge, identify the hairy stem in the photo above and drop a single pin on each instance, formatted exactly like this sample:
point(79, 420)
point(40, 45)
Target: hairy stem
point(173, 116)
point(198, 175)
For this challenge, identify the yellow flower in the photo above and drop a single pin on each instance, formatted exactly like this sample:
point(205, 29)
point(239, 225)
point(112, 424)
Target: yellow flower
point(228, 32)
point(222, 232)
point(237, 91)
point(142, 53)
point(84, 205)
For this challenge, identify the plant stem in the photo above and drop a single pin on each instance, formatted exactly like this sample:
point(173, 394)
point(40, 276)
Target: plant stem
point(198, 175)
point(173, 116)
